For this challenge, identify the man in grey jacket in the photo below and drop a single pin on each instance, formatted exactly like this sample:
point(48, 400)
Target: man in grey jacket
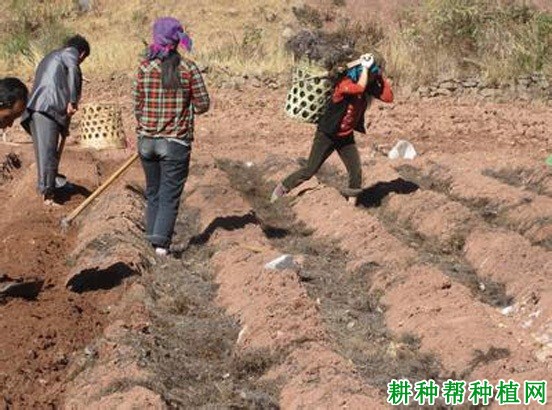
point(53, 101)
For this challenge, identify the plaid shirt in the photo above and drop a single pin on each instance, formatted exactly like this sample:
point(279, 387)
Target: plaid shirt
point(168, 113)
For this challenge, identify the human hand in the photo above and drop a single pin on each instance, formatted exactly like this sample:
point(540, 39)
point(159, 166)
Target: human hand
point(71, 109)
point(367, 60)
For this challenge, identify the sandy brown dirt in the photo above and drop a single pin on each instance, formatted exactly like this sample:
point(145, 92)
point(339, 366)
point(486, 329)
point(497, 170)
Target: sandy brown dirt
point(412, 280)
point(38, 337)
point(394, 227)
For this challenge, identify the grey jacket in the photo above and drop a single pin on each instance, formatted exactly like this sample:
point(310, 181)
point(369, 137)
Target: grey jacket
point(58, 82)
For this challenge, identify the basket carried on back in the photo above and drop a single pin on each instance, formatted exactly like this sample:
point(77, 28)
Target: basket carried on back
point(309, 93)
point(102, 126)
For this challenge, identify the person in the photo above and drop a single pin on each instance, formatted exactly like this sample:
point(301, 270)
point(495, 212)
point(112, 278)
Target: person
point(168, 92)
point(54, 100)
point(13, 99)
point(344, 114)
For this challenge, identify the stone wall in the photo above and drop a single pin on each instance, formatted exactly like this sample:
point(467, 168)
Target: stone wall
point(526, 87)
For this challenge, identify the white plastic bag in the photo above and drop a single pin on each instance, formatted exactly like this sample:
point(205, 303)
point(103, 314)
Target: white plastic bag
point(403, 150)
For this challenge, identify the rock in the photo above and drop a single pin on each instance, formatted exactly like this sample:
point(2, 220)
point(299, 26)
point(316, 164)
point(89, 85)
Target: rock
point(449, 85)
point(85, 5)
point(471, 83)
point(270, 17)
point(281, 263)
point(524, 82)
point(423, 91)
point(287, 33)
point(440, 92)
point(507, 310)
point(543, 84)
point(488, 92)
point(404, 150)
point(232, 12)
point(536, 77)
point(241, 335)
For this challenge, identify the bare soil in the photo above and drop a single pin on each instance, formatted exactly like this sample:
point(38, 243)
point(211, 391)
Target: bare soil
point(411, 281)
point(39, 337)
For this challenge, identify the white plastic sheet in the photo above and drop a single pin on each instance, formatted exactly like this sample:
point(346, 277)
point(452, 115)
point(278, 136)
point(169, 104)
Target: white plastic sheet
point(402, 150)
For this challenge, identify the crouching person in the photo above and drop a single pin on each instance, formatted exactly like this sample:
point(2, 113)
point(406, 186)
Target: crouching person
point(13, 100)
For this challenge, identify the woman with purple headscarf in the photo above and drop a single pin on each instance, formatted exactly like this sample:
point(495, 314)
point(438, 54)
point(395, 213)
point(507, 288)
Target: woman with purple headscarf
point(168, 91)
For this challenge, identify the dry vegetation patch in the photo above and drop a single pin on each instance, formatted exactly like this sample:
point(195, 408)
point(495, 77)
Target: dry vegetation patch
point(437, 39)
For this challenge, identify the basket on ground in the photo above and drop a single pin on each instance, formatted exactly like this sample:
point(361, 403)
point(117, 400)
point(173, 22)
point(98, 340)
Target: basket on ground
point(309, 93)
point(102, 126)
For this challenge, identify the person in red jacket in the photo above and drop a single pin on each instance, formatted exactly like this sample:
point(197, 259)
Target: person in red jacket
point(344, 114)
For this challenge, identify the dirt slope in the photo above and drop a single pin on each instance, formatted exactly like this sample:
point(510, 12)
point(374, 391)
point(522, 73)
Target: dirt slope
point(412, 281)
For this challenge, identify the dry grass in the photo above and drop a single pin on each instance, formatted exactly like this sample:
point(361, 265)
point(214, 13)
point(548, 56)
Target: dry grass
point(494, 39)
point(243, 36)
point(441, 38)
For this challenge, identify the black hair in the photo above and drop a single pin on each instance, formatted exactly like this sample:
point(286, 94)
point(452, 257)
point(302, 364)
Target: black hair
point(80, 43)
point(170, 71)
point(12, 90)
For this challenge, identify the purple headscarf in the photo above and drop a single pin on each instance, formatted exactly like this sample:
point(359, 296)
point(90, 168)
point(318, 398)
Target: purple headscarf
point(168, 33)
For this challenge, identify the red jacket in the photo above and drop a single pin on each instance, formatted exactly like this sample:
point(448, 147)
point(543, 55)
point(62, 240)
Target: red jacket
point(345, 112)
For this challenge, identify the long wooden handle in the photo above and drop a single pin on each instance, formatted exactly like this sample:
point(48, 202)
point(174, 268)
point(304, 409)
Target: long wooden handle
point(100, 189)
point(352, 64)
point(326, 74)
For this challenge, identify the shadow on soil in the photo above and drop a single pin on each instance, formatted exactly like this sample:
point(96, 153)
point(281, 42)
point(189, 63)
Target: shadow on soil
point(353, 314)
point(90, 280)
point(69, 191)
point(449, 261)
point(370, 197)
point(191, 348)
point(228, 223)
point(27, 289)
point(373, 196)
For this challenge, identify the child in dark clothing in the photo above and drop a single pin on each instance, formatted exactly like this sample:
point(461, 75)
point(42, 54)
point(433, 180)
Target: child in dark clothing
point(344, 115)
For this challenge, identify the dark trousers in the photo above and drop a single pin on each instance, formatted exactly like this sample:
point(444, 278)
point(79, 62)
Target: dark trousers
point(46, 133)
point(166, 164)
point(322, 148)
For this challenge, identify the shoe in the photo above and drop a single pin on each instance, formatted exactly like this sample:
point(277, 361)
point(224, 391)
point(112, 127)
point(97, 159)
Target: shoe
point(278, 192)
point(161, 251)
point(49, 200)
point(60, 181)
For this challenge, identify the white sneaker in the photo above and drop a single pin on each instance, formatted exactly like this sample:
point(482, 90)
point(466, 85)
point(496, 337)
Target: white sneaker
point(161, 251)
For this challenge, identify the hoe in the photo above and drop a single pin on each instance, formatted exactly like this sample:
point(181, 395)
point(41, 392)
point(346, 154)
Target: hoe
point(66, 221)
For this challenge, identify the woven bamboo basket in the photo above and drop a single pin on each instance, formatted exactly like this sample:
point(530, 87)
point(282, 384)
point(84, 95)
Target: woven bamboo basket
point(309, 93)
point(102, 126)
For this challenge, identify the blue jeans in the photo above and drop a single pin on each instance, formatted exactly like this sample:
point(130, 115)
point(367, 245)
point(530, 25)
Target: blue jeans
point(166, 164)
